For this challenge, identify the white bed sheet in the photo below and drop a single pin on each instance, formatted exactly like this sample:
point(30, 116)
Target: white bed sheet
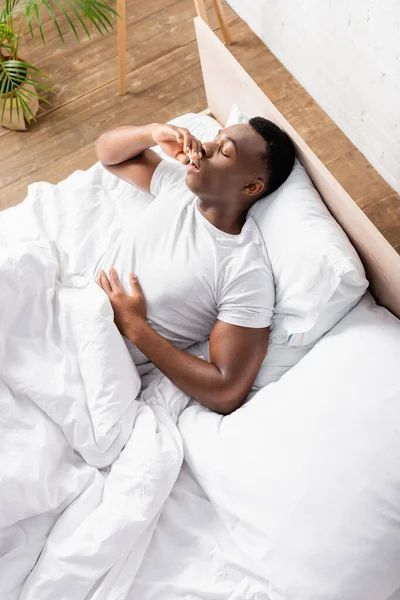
point(88, 468)
point(129, 521)
point(191, 554)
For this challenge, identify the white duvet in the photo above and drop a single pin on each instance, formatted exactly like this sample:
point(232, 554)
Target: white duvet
point(94, 502)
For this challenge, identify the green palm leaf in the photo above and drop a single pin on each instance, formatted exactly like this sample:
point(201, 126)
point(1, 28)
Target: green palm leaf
point(14, 72)
point(84, 11)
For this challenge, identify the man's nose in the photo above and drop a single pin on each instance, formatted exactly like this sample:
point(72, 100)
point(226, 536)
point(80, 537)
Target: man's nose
point(209, 148)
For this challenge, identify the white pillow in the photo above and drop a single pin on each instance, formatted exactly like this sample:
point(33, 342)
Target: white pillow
point(306, 475)
point(318, 276)
point(280, 357)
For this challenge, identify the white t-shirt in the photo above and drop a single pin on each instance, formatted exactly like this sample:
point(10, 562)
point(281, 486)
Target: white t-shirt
point(191, 272)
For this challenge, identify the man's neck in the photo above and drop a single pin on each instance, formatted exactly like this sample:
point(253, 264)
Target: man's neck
point(222, 218)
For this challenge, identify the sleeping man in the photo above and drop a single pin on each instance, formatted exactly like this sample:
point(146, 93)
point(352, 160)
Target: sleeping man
point(199, 268)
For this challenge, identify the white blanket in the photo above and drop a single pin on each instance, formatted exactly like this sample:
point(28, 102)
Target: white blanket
point(88, 457)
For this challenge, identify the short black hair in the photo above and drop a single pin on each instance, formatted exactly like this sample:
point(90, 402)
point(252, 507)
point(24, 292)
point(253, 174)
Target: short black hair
point(279, 153)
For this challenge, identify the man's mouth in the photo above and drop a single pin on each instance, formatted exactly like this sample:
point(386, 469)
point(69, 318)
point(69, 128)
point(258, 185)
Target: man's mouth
point(194, 165)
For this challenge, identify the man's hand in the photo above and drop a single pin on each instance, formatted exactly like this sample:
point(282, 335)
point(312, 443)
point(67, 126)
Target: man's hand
point(129, 311)
point(177, 142)
point(126, 153)
point(236, 353)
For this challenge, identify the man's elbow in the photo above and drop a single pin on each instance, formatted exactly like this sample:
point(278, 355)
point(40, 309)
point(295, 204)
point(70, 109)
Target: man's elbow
point(102, 149)
point(228, 401)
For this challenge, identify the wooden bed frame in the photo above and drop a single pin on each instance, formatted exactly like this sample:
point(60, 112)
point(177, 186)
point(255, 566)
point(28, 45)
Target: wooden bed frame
point(226, 83)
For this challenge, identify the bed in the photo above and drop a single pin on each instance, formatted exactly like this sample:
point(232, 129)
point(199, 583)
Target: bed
point(131, 502)
point(224, 79)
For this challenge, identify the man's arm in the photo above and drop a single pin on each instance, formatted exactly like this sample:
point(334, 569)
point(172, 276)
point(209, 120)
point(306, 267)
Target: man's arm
point(236, 353)
point(125, 151)
point(223, 384)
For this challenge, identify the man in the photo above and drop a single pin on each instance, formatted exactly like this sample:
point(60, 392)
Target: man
point(200, 266)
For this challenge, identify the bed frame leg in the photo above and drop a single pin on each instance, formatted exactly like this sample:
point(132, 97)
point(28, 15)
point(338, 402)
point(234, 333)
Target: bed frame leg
point(201, 10)
point(121, 29)
point(222, 21)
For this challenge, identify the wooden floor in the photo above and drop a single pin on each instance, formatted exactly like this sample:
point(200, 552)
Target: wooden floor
point(164, 80)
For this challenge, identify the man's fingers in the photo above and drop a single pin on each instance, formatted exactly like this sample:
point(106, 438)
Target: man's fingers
point(133, 280)
point(115, 284)
point(182, 158)
point(190, 145)
point(135, 285)
point(104, 283)
point(197, 148)
point(194, 147)
point(180, 136)
point(187, 142)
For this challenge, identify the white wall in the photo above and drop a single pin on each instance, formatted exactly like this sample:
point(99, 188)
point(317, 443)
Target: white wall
point(346, 54)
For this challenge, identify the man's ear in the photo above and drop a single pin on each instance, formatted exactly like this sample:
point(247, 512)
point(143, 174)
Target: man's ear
point(254, 187)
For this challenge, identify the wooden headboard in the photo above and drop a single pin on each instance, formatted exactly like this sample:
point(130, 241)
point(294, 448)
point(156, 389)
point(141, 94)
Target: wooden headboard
point(226, 83)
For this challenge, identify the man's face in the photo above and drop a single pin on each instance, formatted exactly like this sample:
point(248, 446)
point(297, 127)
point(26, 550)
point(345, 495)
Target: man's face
point(228, 164)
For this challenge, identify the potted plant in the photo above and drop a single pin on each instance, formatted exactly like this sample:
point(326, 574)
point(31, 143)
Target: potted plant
point(22, 84)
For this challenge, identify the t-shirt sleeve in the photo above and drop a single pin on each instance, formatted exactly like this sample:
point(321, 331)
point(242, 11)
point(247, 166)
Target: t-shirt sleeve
point(167, 176)
point(247, 297)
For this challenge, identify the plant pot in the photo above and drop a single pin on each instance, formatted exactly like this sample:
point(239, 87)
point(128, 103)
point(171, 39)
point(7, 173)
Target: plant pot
point(14, 120)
